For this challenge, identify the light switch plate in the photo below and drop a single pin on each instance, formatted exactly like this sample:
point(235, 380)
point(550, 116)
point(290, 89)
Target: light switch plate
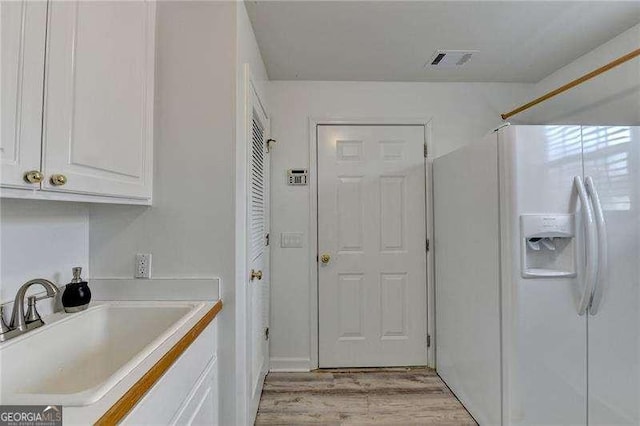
point(291, 239)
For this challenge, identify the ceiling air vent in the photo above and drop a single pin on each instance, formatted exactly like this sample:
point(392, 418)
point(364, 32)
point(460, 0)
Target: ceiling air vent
point(450, 58)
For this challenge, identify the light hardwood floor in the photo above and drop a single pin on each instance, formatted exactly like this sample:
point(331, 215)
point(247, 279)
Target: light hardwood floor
point(400, 396)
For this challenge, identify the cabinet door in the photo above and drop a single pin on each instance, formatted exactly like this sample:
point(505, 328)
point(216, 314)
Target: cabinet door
point(23, 25)
point(98, 112)
point(201, 406)
point(179, 394)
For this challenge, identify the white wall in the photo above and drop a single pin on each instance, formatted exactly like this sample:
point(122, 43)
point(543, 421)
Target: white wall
point(195, 227)
point(190, 227)
point(41, 239)
point(460, 112)
point(611, 98)
point(194, 131)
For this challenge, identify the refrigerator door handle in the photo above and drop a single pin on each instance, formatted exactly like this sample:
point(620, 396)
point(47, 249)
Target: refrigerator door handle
point(602, 245)
point(591, 264)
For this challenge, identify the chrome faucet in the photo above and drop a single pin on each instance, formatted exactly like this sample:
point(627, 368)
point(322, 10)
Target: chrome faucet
point(19, 323)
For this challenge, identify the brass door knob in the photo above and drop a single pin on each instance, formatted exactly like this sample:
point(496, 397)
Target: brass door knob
point(33, 176)
point(325, 258)
point(58, 180)
point(256, 274)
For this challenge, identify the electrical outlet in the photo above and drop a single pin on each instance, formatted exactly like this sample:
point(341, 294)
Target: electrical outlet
point(143, 265)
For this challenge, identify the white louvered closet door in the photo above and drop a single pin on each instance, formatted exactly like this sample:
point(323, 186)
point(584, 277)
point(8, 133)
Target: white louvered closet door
point(258, 250)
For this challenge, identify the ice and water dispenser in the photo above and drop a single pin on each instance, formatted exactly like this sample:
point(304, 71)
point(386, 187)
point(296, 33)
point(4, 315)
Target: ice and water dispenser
point(548, 246)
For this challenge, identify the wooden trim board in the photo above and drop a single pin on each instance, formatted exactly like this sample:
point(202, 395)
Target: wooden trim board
point(123, 406)
point(621, 60)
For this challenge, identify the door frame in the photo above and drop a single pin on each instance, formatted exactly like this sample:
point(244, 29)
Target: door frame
point(314, 308)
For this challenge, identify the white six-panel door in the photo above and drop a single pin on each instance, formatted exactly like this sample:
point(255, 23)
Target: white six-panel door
point(371, 224)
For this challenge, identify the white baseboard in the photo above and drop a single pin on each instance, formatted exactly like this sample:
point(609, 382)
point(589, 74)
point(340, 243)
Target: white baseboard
point(293, 365)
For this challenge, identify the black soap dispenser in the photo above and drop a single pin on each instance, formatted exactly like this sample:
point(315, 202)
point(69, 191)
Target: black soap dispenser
point(76, 296)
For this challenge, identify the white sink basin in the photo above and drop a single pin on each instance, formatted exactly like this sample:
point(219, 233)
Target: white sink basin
point(76, 360)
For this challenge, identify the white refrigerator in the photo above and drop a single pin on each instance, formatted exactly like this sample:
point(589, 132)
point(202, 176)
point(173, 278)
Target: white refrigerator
point(537, 249)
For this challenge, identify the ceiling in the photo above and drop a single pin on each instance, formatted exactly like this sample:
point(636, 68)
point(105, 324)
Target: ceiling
point(518, 41)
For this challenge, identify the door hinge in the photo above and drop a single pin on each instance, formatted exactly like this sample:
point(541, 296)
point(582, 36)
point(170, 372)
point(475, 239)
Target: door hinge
point(266, 333)
point(425, 151)
point(428, 340)
point(266, 238)
point(428, 245)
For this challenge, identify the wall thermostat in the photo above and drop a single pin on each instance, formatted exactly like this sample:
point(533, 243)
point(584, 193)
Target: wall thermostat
point(297, 176)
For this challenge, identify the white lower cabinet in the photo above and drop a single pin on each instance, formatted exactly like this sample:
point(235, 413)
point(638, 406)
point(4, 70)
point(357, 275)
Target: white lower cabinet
point(201, 406)
point(187, 394)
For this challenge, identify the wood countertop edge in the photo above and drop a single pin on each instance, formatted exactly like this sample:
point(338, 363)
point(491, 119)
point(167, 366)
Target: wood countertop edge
point(123, 406)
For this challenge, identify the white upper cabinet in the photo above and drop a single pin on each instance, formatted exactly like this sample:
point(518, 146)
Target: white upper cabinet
point(95, 128)
point(23, 25)
point(99, 97)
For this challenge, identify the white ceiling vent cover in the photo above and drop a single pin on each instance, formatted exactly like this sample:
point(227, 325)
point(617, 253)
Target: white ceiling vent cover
point(450, 58)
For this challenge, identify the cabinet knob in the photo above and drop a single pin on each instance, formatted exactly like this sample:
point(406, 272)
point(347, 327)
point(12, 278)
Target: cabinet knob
point(325, 258)
point(256, 274)
point(33, 176)
point(58, 180)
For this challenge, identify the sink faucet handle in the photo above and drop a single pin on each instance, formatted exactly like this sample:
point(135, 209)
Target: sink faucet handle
point(32, 314)
point(45, 296)
point(3, 325)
